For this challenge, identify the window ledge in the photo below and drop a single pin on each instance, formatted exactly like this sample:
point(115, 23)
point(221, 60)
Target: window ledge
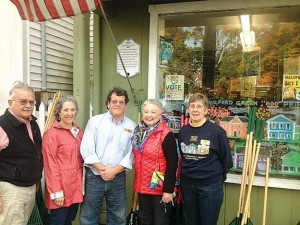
point(285, 183)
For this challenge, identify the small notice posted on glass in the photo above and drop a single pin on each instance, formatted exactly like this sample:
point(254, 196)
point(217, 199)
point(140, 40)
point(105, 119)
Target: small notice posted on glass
point(130, 54)
point(291, 87)
point(174, 89)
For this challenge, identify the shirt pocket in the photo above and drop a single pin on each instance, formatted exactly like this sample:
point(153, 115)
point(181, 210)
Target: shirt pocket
point(125, 142)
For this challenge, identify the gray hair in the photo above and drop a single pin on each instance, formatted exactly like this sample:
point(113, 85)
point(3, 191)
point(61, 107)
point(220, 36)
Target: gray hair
point(19, 85)
point(61, 101)
point(153, 102)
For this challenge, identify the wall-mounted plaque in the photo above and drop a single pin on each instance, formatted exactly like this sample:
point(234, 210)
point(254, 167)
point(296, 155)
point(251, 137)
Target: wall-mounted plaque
point(130, 54)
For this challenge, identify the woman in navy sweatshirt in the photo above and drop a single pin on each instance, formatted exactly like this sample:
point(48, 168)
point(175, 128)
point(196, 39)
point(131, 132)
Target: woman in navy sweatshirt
point(206, 159)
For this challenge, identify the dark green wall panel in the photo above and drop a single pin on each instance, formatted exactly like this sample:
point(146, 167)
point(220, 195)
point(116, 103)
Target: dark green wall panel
point(126, 22)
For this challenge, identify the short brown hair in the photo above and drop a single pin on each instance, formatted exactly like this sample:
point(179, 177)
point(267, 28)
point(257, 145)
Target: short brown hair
point(199, 96)
point(119, 92)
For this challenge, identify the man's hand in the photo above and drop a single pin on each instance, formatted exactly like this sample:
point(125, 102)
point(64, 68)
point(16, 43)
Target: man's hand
point(99, 166)
point(37, 186)
point(110, 172)
point(1, 205)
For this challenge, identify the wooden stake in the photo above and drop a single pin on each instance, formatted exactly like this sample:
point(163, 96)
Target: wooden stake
point(266, 192)
point(50, 117)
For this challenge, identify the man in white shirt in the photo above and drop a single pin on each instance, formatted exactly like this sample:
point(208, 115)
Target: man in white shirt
point(106, 150)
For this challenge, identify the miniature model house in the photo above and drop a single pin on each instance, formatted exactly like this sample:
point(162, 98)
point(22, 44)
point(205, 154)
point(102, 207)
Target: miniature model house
point(235, 126)
point(281, 128)
point(291, 163)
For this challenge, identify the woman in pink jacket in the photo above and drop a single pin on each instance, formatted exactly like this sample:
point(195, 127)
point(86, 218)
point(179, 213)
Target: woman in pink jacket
point(63, 163)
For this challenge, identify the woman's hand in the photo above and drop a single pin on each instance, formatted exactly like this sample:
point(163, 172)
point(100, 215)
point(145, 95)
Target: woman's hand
point(167, 197)
point(59, 201)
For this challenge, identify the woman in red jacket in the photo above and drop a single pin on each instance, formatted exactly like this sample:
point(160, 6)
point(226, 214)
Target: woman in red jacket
point(154, 149)
point(63, 163)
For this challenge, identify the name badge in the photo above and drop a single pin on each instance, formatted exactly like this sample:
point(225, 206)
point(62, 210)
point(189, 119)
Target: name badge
point(128, 130)
point(203, 148)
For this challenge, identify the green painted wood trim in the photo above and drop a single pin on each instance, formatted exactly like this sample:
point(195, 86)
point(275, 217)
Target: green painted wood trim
point(81, 67)
point(96, 64)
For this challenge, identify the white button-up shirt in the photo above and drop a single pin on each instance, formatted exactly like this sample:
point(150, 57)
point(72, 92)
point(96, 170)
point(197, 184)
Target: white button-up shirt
point(106, 142)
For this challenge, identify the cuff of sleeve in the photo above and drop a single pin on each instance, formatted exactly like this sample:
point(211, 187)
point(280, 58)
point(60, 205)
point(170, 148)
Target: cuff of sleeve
point(59, 194)
point(91, 159)
point(126, 164)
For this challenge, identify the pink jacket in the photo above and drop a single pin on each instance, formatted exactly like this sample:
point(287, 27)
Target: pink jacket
point(62, 166)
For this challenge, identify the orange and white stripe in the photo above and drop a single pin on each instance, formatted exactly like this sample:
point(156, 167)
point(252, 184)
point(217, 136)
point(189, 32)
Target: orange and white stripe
point(42, 10)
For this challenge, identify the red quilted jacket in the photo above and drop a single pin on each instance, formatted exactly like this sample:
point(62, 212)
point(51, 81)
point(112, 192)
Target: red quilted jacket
point(150, 159)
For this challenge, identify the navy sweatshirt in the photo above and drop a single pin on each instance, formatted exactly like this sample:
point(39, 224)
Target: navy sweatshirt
point(206, 153)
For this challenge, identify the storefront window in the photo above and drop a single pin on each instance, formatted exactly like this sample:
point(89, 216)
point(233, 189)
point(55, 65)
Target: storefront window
point(239, 61)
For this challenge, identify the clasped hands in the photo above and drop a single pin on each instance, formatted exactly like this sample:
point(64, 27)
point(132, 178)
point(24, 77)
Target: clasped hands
point(107, 173)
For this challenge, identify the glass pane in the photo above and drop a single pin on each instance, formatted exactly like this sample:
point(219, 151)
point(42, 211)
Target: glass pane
point(238, 65)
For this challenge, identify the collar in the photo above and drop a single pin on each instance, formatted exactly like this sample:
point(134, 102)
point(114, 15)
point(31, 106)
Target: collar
point(58, 125)
point(113, 119)
point(14, 120)
point(21, 119)
point(198, 124)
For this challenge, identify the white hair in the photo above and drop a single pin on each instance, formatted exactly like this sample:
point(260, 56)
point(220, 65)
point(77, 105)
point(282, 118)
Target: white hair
point(153, 102)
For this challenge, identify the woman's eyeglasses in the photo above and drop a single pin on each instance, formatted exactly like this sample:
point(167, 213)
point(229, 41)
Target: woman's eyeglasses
point(196, 107)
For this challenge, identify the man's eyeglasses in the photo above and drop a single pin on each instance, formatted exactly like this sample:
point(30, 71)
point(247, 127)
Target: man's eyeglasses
point(114, 102)
point(24, 102)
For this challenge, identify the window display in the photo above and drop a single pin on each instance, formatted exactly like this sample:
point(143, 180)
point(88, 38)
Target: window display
point(240, 71)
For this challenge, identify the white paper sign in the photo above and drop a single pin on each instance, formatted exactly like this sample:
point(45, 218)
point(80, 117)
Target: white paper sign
point(130, 54)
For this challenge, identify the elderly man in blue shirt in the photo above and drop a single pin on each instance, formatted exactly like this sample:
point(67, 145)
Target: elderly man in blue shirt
point(107, 152)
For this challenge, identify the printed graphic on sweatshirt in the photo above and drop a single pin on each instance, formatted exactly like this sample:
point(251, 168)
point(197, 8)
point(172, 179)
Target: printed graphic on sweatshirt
point(194, 138)
point(195, 152)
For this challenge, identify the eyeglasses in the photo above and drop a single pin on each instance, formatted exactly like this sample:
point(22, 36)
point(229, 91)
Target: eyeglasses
point(114, 102)
point(196, 107)
point(25, 102)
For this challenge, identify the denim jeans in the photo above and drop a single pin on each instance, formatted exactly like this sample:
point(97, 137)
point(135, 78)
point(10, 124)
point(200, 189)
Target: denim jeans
point(152, 211)
point(202, 202)
point(115, 195)
point(63, 216)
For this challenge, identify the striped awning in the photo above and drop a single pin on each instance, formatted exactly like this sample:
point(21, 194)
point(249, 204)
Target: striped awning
point(42, 10)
